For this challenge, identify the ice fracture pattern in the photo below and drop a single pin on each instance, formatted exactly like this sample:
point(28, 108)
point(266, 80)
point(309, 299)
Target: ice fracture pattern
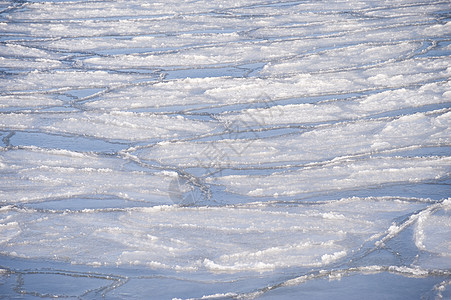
point(225, 149)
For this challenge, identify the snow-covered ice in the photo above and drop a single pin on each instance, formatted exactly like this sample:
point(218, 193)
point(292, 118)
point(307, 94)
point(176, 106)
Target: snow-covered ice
point(225, 149)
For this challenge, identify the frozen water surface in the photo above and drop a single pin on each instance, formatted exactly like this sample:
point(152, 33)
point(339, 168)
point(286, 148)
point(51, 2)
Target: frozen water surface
point(225, 149)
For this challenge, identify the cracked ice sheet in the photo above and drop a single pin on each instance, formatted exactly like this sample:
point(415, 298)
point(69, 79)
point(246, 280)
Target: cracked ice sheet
point(29, 64)
point(234, 48)
point(208, 53)
point(63, 10)
point(391, 100)
point(54, 80)
point(28, 101)
point(322, 143)
point(229, 91)
point(430, 230)
point(346, 174)
point(118, 125)
point(60, 174)
point(348, 57)
point(257, 237)
point(376, 57)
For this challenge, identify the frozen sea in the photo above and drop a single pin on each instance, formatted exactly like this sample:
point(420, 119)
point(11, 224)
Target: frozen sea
point(241, 149)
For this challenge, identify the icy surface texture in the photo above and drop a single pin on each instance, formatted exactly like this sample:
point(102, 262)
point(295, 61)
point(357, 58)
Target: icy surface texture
point(225, 149)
